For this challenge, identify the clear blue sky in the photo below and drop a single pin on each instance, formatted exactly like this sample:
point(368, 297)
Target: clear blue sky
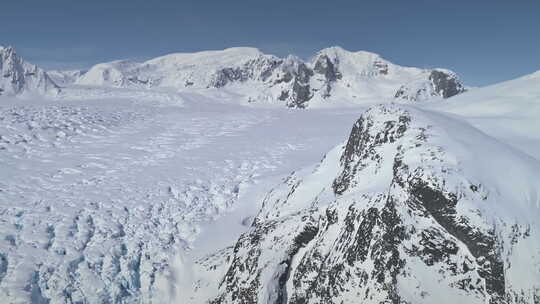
point(483, 41)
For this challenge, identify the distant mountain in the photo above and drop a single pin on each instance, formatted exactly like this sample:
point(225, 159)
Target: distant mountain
point(65, 78)
point(20, 77)
point(416, 207)
point(333, 74)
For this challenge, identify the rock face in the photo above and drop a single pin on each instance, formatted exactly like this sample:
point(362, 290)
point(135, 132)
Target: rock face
point(332, 75)
point(19, 76)
point(395, 215)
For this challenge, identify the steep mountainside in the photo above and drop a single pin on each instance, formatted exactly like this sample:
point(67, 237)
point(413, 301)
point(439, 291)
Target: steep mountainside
point(333, 74)
point(415, 207)
point(20, 77)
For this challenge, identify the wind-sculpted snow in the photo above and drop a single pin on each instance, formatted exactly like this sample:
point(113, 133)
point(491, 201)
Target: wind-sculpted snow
point(98, 197)
point(414, 208)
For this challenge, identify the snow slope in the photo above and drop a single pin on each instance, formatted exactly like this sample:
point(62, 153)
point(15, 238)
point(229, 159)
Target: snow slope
point(176, 70)
point(508, 111)
point(332, 75)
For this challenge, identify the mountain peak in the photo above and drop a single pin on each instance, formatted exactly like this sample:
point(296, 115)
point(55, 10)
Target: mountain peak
point(387, 214)
point(225, 55)
point(19, 76)
point(337, 51)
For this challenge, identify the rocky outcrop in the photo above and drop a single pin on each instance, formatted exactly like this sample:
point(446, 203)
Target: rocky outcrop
point(389, 217)
point(18, 76)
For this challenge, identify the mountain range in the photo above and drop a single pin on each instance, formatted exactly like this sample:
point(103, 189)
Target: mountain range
point(333, 74)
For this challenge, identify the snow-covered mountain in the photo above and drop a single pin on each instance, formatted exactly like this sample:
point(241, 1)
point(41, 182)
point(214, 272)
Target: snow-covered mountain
point(416, 207)
point(333, 74)
point(20, 77)
point(65, 78)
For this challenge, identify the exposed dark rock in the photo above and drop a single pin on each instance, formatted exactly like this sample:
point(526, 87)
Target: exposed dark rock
point(227, 75)
point(381, 67)
point(482, 246)
point(301, 240)
point(445, 84)
point(331, 73)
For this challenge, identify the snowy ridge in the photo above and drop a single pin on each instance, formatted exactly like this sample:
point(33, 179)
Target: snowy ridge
point(332, 75)
point(175, 70)
point(411, 209)
point(20, 77)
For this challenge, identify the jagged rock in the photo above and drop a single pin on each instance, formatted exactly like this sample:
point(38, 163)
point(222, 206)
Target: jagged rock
point(18, 76)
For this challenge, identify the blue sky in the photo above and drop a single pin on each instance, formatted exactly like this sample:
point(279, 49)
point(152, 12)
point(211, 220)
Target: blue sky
point(483, 41)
